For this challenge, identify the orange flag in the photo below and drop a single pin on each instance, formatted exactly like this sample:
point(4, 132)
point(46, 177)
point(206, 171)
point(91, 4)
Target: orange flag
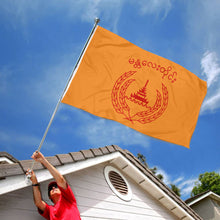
point(119, 81)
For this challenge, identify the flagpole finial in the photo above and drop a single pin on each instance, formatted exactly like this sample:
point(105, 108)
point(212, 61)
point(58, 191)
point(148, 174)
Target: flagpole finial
point(97, 20)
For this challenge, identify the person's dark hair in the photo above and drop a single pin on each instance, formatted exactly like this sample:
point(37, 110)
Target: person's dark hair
point(50, 187)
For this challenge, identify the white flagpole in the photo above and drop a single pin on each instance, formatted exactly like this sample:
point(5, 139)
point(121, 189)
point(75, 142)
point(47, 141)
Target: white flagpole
point(70, 78)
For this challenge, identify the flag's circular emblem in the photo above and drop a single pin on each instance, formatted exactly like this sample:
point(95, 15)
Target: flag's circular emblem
point(135, 106)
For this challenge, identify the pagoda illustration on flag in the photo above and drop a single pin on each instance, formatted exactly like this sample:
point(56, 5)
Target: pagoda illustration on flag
point(140, 97)
point(142, 112)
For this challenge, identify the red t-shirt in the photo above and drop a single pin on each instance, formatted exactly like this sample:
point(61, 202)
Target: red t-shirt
point(65, 209)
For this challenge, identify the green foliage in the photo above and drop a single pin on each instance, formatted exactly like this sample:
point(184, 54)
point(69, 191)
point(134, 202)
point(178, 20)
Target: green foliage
point(142, 159)
point(160, 176)
point(207, 181)
point(175, 189)
point(154, 171)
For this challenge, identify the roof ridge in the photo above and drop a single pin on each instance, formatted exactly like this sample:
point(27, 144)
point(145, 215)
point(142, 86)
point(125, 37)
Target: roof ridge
point(196, 196)
point(9, 156)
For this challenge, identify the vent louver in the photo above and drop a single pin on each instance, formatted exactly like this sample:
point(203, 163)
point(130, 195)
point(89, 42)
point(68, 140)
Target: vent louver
point(118, 182)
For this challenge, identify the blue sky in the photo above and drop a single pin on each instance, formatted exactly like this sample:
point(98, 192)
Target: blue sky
point(40, 43)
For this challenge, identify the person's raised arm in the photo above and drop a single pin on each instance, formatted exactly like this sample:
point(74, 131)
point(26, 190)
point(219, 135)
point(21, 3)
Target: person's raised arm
point(36, 191)
point(39, 157)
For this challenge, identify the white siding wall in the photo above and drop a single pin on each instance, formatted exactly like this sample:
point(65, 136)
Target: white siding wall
point(206, 209)
point(18, 205)
point(95, 200)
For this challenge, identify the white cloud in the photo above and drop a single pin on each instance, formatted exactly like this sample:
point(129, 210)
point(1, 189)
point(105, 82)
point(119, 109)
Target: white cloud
point(211, 103)
point(211, 69)
point(166, 176)
point(155, 7)
point(203, 30)
point(104, 132)
point(106, 10)
point(178, 180)
point(186, 186)
point(25, 140)
point(23, 12)
point(203, 33)
point(54, 79)
point(98, 131)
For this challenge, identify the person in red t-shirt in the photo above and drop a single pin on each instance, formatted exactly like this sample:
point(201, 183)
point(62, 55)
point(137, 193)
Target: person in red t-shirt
point(60, 193)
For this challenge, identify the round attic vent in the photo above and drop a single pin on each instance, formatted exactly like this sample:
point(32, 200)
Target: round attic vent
point(117, 183)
